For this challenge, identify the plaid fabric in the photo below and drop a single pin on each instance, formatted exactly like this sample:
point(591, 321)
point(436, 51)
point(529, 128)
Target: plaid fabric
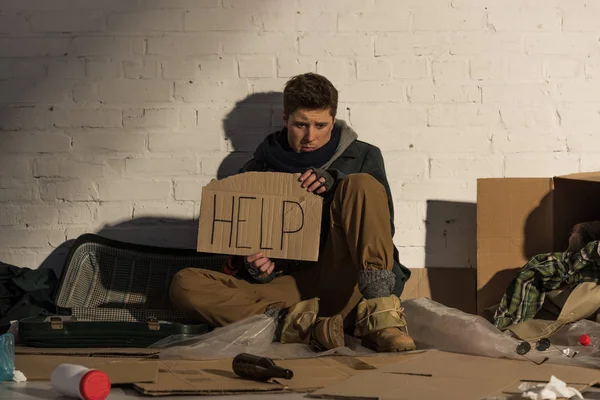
point(103, 283)
point(546, 272)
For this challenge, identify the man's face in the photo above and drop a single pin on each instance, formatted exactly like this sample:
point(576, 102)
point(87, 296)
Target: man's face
point(309, 130)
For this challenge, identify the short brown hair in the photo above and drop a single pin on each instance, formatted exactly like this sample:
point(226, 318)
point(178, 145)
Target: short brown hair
point(310, 91)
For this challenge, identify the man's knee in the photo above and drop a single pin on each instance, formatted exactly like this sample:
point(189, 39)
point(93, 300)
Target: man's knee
point(185, 285)
point(361, 182)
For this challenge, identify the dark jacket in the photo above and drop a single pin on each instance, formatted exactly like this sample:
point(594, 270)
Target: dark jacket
point(352, 156)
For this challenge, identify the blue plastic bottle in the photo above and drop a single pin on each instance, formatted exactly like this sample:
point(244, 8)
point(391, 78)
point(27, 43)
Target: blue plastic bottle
point(7, 357)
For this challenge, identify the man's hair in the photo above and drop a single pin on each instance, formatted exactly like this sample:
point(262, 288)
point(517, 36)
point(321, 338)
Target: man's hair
point(309, 91)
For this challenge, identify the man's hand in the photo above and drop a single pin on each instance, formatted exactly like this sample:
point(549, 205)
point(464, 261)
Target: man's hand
point(260, 263)
point(312, 183)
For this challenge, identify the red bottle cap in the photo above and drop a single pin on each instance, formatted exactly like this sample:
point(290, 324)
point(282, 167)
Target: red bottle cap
point(585, 340)
point(94, 385)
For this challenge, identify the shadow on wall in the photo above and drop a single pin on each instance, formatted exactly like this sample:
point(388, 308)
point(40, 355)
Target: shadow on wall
point(247, 125)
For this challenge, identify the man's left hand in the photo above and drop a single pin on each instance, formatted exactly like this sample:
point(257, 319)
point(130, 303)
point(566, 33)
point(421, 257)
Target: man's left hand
point(312, 183)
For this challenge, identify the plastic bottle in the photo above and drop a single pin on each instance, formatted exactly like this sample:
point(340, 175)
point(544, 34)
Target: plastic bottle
point(258, 368)
point(7, 357)
point(80, 382)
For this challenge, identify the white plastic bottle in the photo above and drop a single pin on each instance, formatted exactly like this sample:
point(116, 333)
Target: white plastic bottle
point(80, 382)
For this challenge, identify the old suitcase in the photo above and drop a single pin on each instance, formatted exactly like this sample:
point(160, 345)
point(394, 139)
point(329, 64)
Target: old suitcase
point(116, 294)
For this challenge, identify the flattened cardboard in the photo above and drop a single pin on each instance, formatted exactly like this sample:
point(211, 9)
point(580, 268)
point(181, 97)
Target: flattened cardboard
point(518, 218)
point(432, 283)
point(436, 375)
point(256, 212)
point(119, 370)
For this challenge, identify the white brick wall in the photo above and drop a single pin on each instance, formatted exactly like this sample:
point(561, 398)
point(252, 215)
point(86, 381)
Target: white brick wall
point(119, 110)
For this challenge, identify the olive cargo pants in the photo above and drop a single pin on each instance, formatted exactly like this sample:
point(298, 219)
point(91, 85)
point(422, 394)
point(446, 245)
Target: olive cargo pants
point(359, 238)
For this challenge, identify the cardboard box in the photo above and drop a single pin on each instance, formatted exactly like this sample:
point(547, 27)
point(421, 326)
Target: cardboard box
point(264, 212)
point(518, 218)
point(452, 287)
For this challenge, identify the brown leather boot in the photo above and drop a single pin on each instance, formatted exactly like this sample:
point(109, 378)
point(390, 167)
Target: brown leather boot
point(389, 340)
point(381, 325)
point(328, 333)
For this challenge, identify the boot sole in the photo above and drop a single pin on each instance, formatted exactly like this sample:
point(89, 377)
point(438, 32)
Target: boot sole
point(335, 331)
point(391, 349)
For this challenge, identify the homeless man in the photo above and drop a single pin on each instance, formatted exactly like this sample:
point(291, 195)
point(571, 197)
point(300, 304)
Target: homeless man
point(357, 278)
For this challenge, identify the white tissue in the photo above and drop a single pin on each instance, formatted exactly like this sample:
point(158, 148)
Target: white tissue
point(548, 391)
point(18, 376)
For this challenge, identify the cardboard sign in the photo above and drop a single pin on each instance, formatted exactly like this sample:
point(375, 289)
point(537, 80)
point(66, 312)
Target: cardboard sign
point(264, 212)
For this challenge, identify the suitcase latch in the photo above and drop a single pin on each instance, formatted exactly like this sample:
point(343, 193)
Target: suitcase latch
point(56, 323)
point(153, 324)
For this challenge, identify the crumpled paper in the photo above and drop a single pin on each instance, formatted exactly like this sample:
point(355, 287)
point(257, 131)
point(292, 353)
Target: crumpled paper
point(548, 391)
point(18, 376)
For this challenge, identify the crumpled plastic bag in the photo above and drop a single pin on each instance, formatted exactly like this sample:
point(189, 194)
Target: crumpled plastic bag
point(251, 335)
point(552, 390)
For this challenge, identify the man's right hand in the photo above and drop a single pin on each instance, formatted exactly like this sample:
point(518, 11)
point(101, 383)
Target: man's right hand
point(261, 263)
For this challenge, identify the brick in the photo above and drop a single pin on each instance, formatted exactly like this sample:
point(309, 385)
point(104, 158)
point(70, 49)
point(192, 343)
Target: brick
point(518, 117)
point(16, 190)
point(583, 141)
point(485, 43)
point(258, 5)
point(373, 69)
point(124, 190)
point(308, 21)
point(463, 115)
point(7, 216)
point(570, 44)
point(257, 67)
point(447, 19)
point(592, 68)
point(541, 165)
point(288, 67)
point(22, 68)
point(15, 167)
point(108, 142)
point(525, 20)
point(411, 255)
point(126, 91)
point(171, 143)
point(450, 70)
point(212, 91)
point(34, 5)
point(66, 68)
point(271, 43)
point(33, 47)
point(529, 141)
point(13, 23)
point(222, 20)
point(37, 215)
point(578, 116)
point(186, 4)
point(373, 92)
point(337, 69)
point(405, 166)
point(71, 168)
point(36, 91)
point(488, 69)
point(164, 211)
point(590, 162)
point(161, 166)
point(27, 142)
point(187, 190)
point(322, 44)
point(101, 46)
point(444, 94)
point(98, 69)
point(75, 190)
point(65, 21)
point(225, 164)
point(437, 189)
point(418, 43)
point(140, 69)
point(245, 142)
point(409, 214)
point(386, 117)
point(453, 140)
point(337, 5)
point(580, 20)
point(146, 20)
point(391, 20)
point(463, 167)
point(114, 213)
point(411, 69)
point(87, 118)
point(278, 21)
point(218, 67)
point(71, 215)
point(579, 92)
point(19, 257)
point(563, 69)
point(151, 118)
point(173, 45)
point(31, 238)
point(107, 5)
point(518, 94)
point(27, 117)
point(525, 69)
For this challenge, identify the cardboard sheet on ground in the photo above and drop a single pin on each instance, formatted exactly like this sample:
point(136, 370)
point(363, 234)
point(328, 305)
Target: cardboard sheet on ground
point(256, 212)
point(435, 374)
